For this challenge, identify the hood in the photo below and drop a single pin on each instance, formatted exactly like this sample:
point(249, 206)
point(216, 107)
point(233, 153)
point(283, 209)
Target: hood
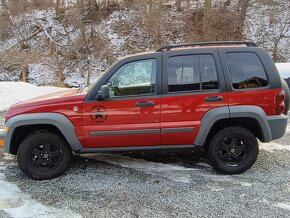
point(69, 95)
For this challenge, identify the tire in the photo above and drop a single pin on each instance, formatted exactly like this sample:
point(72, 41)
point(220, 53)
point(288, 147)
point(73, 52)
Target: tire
point(44, 155)
point(233, 160)
point(287, 95)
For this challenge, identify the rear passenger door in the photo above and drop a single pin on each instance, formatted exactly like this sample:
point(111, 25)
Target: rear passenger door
point(192, 84)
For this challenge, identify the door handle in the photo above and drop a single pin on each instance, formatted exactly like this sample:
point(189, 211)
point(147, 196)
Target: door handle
point(214, 98)
point(145, 103)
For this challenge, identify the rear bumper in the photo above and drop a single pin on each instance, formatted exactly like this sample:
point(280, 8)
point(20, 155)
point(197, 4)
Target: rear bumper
point(278, 125)
point(2, 138)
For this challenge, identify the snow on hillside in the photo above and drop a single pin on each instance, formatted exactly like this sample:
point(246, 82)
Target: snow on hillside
point(14, 92)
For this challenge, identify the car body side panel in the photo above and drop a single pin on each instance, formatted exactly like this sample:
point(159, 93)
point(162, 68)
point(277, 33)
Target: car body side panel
point(263, 98)
point(141, 124)
point(186, 111)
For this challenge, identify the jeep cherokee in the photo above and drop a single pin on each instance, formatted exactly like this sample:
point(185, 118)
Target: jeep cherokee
point(221, 96)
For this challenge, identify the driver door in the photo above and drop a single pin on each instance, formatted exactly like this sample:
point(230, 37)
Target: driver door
point(131, 115)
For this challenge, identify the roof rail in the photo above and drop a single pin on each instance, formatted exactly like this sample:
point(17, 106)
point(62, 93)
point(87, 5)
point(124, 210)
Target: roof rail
point(169, 47)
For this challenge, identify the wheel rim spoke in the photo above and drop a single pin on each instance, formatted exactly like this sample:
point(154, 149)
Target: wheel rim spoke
point(237, 158)
point(50, 162)
point(226, 156)
point(225, 146)
point(232, 150)
point(46, 147)
point(46, 155)
point(242, 148)
point(36, 152)
point(234, 141)
point(55, 153)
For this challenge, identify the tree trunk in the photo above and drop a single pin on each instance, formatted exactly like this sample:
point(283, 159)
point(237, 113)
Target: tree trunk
point(206, 15)
point(275, 52)
point(243, 5)
point(25, 72)
point(89, 72)
point(57, 8)
point(178, 5)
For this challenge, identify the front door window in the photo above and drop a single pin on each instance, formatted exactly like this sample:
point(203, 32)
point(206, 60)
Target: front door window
point(134, 78)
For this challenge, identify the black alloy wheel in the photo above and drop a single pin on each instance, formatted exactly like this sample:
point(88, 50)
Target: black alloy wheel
point(44, 155)
point(233, 150)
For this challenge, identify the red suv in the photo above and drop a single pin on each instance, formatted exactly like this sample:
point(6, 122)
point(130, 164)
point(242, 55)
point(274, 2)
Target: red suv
point(222, 96)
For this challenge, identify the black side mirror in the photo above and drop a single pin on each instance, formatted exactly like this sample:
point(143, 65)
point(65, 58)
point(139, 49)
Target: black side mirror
point(103, 93)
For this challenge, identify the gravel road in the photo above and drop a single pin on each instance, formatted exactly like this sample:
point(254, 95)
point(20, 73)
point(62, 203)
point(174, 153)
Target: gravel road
point(151, 184)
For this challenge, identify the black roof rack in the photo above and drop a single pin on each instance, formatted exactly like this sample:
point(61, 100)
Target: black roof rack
point(169, 47)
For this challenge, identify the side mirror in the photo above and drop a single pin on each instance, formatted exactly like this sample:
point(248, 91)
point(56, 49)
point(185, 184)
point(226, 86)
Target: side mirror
point(103, 93)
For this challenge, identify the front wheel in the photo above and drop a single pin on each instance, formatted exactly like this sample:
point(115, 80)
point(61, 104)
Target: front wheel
point(233, 150)
point(44, 155)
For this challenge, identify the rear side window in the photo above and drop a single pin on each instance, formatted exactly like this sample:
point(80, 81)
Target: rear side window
point(191, 73)
point(246, 70)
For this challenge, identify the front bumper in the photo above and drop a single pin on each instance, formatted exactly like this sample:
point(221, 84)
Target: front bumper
point(2, 138)
point(278, 125)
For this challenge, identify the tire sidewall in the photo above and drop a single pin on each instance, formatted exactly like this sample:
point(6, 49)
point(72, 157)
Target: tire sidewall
point(251, 146)
point(24, 155)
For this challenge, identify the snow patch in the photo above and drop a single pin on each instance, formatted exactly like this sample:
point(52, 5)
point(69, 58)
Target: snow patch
point(174, 173)
point(274, 146)
point(40, 74)
point(18, 204)
point(282, 205)
point(14, 92)
point(246, 184)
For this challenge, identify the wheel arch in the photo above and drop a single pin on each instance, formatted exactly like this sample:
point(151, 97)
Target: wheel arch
point(21, 125)
point(251, 117)
point(21, 132)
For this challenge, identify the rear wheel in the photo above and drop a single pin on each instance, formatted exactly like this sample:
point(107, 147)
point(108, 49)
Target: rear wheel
point(43, 155)
point(233, 150)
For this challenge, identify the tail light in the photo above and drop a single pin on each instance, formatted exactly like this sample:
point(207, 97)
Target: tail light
point(279, 103)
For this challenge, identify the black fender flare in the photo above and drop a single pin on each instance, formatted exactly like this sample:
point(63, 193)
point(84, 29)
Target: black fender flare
point(58, 120)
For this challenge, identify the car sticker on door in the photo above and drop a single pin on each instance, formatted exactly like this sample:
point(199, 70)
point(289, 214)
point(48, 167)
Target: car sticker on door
point(99, 114)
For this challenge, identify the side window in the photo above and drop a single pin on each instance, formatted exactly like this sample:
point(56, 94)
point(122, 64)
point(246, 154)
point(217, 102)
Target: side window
point(134, 78)
point(208, 72)
point(183, 73)
point(191, 73)
point(246, 70)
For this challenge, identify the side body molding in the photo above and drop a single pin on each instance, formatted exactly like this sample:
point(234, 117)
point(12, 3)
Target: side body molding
point(245, 111)
point(58, 120)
